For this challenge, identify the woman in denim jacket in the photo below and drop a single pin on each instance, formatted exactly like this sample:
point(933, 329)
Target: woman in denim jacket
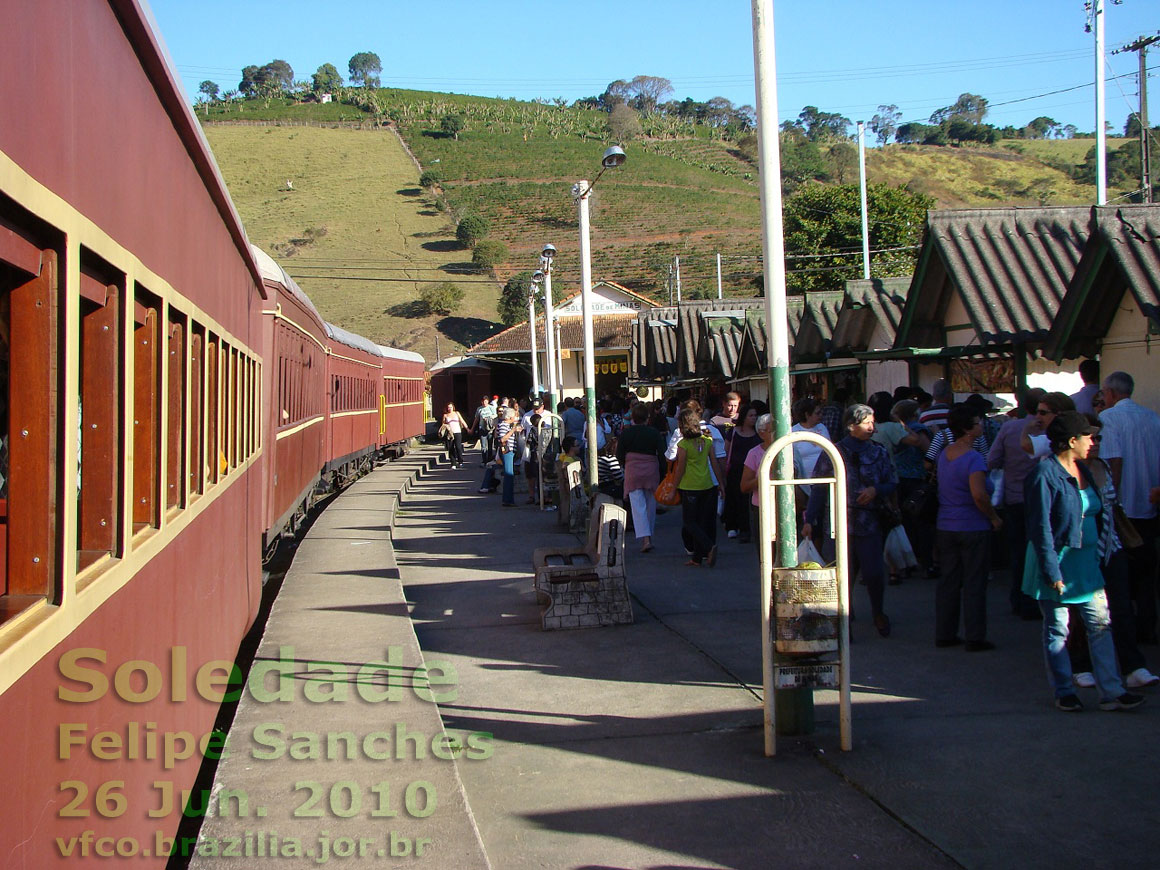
point(1066, 519)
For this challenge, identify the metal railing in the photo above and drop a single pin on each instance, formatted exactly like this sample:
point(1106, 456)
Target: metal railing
point(770, 664)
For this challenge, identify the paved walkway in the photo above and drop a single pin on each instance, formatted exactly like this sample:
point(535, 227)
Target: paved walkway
point(640, 746)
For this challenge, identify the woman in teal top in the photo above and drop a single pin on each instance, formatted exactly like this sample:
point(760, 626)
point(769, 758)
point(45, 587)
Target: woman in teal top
point(696, 468)
point(1065, 519)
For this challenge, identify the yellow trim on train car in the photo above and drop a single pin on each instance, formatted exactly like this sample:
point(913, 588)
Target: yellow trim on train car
point(313, 421)
point(338, 414)
point(278, 315)
point(29, 636)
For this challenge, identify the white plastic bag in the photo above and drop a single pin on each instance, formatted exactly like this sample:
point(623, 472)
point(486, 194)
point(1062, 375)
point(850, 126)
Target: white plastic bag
point(807, 552)
point(898, 553)
point(997, 495)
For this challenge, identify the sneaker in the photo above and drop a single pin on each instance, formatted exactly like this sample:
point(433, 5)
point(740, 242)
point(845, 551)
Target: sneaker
point(1084, 679)
point(1140, 678)
point(1069, 704)
point(484, 489)
point(1126, 701)
point(733, 533)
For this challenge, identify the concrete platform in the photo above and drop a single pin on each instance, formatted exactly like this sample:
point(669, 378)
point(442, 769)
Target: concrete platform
point(640, 746)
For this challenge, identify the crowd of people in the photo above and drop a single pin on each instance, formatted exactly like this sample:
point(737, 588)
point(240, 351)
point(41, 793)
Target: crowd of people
point(1061, 491)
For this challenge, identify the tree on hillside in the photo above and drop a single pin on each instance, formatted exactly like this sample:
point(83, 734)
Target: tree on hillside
point(365, 67)
point(452, 125)
point(488, 254)
point(616, 93)
point(970, 107)
point(1041, 127)
point(210, 89)
point(885, 123)
point(441, 298)
point(822, 220)
point(819, 125)
point(623, 123)
point(279, 73)
point(801, 160)
point(843, 160)
point(513, 299)
point(326, 80)
point(471, 230)
point(648, 91)
point(252, 78)
point(913, 133)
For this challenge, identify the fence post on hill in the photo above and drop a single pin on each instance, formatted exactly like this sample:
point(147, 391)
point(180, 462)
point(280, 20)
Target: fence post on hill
point(795, 706)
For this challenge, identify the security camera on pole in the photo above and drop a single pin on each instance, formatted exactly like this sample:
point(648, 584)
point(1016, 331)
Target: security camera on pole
point(581, 190)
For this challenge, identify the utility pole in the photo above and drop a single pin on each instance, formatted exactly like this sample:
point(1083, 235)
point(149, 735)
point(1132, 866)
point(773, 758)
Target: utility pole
point(1140, 46)
point(862, 185)
point(718, 274)
point(677, 270)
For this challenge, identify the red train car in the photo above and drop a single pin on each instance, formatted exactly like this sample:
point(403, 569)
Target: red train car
point(295, 348)
point(354, 378)
point(130, 364)
point(402, 411)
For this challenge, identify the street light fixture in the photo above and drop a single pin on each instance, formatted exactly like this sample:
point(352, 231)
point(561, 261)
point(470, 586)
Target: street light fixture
point(581, 191)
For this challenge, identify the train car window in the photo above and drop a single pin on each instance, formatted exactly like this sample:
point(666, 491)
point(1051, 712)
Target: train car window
point(99, 435)
point(175, 440)
point(146, 409)
point(236, 406)
point(226, 426)
point(197, 410)
point(213, 454)
point(28, 422)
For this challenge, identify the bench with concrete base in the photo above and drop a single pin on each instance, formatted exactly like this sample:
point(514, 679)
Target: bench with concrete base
point(586, 586)
point(573, 500)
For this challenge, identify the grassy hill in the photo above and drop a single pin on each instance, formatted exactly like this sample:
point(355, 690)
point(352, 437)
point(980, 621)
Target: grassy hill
point(356, 203)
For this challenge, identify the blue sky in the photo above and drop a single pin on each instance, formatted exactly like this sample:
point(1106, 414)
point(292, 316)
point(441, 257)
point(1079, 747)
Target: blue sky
point(845, 56)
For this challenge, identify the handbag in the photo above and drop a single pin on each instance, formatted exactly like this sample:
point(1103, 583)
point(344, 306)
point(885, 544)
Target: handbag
point(1125, 530)
point(667, 493)
point(889, 516)
point(920, 502)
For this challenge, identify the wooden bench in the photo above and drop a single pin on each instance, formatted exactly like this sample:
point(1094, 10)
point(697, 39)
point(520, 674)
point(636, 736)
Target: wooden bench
point(585, 587)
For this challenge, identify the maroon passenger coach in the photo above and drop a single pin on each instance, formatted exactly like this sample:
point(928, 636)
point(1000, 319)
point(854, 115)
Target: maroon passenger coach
point(171, 400)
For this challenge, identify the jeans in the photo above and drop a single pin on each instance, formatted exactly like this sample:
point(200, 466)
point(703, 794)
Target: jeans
point(1098, 624)
point(486, 447)
point(509, 478)
point(699, 521)
point(965, 558)
point(1118, 588)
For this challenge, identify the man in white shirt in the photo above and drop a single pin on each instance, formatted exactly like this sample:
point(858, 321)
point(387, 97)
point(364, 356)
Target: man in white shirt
point(1130, 444)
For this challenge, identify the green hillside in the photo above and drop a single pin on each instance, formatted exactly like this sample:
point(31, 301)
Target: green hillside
point(684, 191)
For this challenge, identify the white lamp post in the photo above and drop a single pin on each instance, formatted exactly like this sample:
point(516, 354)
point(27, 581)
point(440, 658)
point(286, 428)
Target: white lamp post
point(581, 190)
point(532, 329)
point(544, 276)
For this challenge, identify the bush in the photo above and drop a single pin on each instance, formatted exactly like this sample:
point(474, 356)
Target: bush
point(441, 298)
point(471, 230)
point(430, 178)
point(488, 254)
